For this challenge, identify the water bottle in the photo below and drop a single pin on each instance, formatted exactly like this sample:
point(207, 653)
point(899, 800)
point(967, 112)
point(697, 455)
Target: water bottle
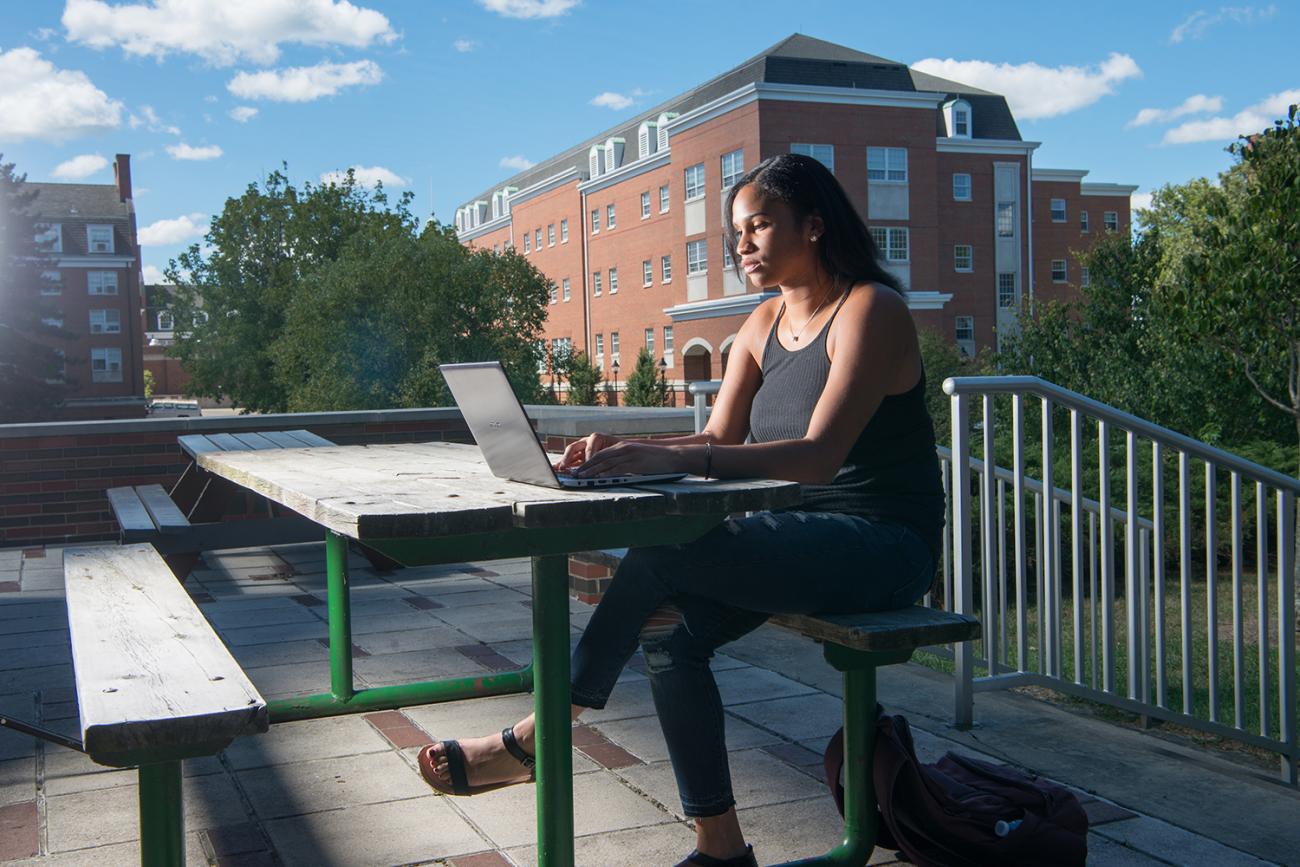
point(1002, 828)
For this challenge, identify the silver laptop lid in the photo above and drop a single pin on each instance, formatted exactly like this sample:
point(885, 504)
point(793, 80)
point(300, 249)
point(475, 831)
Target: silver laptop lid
point(498, 421)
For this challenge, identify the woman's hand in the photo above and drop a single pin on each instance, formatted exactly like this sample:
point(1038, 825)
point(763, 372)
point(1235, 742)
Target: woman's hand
point(580, 451)
point(631, 457)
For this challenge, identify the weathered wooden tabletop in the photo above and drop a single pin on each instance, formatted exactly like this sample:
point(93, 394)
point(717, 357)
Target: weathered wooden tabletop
point(394, 491)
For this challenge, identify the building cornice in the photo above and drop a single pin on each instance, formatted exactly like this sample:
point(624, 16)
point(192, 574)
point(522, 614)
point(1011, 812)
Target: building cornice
point(545, 185)
point(1068, 176)
point(946, 145)
point(626, 171)
point(1107, 189)
point(483, 229)
point(927, 300)
point(98, 260)
point(734, 305)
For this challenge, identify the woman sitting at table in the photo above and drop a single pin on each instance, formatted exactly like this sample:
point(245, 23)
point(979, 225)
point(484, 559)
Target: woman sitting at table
point(826, 381)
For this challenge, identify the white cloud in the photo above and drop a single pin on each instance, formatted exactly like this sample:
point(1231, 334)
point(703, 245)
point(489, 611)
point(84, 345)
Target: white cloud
point(1140, 201)
point(518, 161)
point(1195, 25)
point(154, 275)
point(183, 151)
point(367, 176)
point(1197, 103)
point(41, 101)
point(464, 46)
point(80, 167)
point(304, 83)
point(1251, 119)
point(243, 113)
point(528, 8)
point(184, 228)
point(220, 31)
point(609, 99)
point(149, 119)
point(1035, 91)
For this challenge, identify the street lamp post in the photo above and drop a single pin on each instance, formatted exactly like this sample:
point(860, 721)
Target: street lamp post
point(614, 394)
point(663, 375)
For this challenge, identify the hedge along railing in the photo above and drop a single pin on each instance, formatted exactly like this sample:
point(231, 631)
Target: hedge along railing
point(976, 544)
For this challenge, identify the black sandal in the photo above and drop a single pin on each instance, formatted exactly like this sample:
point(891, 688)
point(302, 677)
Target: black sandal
point(456, 766)
point(699, 859)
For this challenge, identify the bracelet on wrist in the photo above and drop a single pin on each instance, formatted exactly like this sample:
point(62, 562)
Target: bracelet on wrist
point(708, 460)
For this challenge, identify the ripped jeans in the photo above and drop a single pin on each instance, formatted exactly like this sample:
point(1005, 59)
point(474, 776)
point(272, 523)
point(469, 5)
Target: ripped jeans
point(683, 602)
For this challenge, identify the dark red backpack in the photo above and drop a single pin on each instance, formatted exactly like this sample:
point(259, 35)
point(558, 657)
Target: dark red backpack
point(963, 812)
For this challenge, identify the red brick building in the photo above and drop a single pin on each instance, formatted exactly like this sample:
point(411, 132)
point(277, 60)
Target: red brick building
point(629, 225)
point(89, 231)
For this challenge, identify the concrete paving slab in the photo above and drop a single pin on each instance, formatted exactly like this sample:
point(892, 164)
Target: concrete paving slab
point(43, 678)
point(434, 635)
point(292, 679)
point(235, 616)
point(17, 781)
point(27, 625)
point(798, 719)
point(471, 717)
point(307, 740)
point(749, 684)
point(244, 601)
point(489, 630)
point(799, 829)
point(601, 803)
point(1103, 852)
point(415, 666)
point(261, 655)
point(49, 638)
point(274, 634)
point(1161, 840)
point(326, 784)
point(629, 699)
point(410, 619)
point(11, 610)
point(490, 594)
point(658, 844)
point(643, 738)
point(756, 779)
point(35, 657)
point(116, 855)
point(417, 830)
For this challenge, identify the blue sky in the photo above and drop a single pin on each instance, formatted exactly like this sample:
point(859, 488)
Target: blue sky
point(442, 97)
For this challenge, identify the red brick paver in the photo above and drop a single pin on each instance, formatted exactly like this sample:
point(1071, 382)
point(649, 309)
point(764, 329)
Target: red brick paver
point(18, 832)
point(400, 731)
point(481, 859)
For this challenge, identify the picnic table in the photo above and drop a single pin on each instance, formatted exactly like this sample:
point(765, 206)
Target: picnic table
point(438, 503)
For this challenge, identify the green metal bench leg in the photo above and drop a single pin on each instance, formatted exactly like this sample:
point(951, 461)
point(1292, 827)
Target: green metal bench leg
point(551, 703)
point(340, 614)
point(162, 816)
point(859, 670)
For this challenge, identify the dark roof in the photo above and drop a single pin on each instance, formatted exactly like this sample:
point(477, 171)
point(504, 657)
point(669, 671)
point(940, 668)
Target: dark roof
point(797, 59)
point(78, 201)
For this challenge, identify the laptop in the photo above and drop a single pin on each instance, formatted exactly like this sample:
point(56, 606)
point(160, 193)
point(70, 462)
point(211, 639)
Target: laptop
point(502, 430)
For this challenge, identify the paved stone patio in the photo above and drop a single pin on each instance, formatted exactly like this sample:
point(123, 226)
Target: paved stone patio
point(345, 791)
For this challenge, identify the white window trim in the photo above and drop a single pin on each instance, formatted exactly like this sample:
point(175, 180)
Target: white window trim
point(687, 197)
point(101, 324)
point(735, 175)
point(613, 281)
point(566, 290)
point(907, 169)
point(90, 289)
point(564, 231)
point(647, 273)
point(1065, 271)
point(1051, 210)
point(701, 244)
point(665, 198)
point(970, 258)
point(811, 153)
point(970, 187)
point(611, 214)
point(90, 244)
point(665, 278)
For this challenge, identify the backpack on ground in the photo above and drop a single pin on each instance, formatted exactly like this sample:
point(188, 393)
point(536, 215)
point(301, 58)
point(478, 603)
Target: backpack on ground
point(964, 812)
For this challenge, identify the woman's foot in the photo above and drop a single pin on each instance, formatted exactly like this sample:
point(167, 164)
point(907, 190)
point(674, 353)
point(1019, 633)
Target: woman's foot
point(475, 765)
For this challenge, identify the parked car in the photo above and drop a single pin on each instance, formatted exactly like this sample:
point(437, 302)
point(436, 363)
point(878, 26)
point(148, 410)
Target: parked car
point(174, 409)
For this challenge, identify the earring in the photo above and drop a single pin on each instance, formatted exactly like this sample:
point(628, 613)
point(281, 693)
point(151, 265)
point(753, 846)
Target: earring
point(812, 237)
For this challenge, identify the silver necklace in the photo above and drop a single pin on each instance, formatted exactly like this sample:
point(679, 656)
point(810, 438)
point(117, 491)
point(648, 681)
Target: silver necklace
point(795, 334)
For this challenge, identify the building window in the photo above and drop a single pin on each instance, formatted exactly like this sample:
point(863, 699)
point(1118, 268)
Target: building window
point(887, 164)
point(666, 269)
point(727, 260)
point(555, 293)
point(99, 239)
point(1110, 219)
point(613, 281)
point(961, 187)
point(613, 346)
point(1058, 271)
point(1085, 279)
point(697, 257)
point(51, 283)
point(105, 364)
point(564, 231)
point(965, 334)
point(663, 199)
point(600, 350)
point(1006, 219)
point(733, 167)
point(961, 120)
point(496, 249)
point(1058, 210)
point(528, 241)
point(595, 220)
point(550, 234)
point(50, 238)
point(166, 321)
point(645, 204)
point(595, 283)
point(647, 273)
point(650, 341)
point(609, 216)
point(963, 257)
point(1006, 290)
point(565, 292)
point(537, 239)
point(695, 182)
point(1083, 221)
point(101, 282)
point(823, 153)
point(893, 243)
point(106, 321)
point(668, 344)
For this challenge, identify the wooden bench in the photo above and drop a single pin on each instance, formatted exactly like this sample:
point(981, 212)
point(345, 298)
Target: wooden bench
point(155, 684)
point(186, 520)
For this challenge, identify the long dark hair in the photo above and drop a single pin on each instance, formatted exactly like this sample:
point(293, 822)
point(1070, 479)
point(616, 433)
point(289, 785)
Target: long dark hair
point(847, 252)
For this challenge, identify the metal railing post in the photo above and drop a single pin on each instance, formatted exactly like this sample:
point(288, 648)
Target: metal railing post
point(964, 710)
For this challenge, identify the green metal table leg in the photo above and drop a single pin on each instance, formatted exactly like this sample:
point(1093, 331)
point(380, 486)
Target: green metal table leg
point(162, 816)
point(340, 615)
point(551, 705)
point(325, 704)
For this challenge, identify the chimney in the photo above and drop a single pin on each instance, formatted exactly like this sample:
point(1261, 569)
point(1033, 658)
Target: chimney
point(122, 172)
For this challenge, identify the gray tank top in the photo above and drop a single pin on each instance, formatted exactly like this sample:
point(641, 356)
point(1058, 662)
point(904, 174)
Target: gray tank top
point(892, 471)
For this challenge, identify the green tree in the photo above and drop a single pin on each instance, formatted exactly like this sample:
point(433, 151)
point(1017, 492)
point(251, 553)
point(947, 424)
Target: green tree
point(645, 387)
point(31, 364)
point(584, 379)
point(328, 298)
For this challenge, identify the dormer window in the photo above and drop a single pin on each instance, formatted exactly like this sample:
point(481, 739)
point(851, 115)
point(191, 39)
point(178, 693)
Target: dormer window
point(50, 238)
point(662, 126)
point(99, 239)
point(613, 153)
point(957, 115)
point(596, 161)
point(647, 139)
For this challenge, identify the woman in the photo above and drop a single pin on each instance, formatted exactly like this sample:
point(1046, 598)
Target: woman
point(826, 381)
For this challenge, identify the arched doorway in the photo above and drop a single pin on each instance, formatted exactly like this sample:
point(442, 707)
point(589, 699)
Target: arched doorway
point(697, 361)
